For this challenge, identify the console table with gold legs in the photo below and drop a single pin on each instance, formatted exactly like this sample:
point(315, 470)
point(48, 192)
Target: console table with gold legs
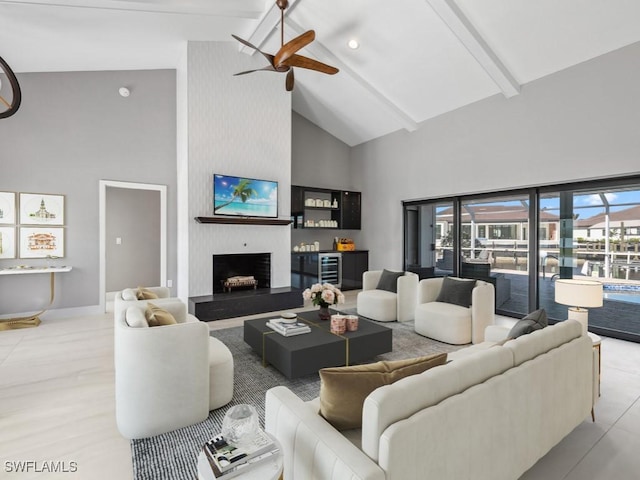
point(31, 320)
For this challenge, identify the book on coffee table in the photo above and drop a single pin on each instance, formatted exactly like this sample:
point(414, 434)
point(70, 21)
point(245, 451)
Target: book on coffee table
point(288, 329)
point(228, 460)
point(242, 467)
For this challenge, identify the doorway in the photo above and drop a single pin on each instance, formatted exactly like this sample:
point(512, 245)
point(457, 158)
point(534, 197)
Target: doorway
point(133, 236)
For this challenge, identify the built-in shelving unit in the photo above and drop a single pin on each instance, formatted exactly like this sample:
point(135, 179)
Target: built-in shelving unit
point(340, 209)
point(243, 220)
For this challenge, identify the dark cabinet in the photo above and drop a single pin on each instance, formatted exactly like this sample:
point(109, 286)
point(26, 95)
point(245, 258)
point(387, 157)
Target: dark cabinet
point(324, 208)
point(354, 264)
point(297, 200)
point(304, 270)
point(350, 210)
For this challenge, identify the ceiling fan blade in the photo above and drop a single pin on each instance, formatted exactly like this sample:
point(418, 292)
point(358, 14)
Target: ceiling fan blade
point(310, 64)
point(268, 56)
point(292, 46)
point(289, 81)
point(268, 68)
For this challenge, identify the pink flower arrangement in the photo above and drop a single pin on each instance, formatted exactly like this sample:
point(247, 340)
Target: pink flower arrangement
point(323, 294)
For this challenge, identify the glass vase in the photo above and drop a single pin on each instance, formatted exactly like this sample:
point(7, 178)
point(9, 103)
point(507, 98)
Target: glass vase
point(324, 313)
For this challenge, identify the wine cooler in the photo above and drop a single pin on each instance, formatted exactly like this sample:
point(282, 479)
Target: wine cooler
point(330, 268)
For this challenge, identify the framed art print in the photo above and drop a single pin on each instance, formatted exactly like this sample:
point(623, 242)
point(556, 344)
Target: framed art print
point(41, 209)
point(7, 242)
point(7, 208)
point(41, 242)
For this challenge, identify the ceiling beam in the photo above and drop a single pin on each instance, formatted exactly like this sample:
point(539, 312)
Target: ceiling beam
point(227, 8)
point(268, 24)
point(462, 28)
point(321, 52)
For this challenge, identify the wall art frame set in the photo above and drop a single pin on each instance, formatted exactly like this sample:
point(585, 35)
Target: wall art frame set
point(31, 224)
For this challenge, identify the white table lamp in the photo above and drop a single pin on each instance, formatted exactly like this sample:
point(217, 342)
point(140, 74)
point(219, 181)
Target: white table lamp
point(579, 295)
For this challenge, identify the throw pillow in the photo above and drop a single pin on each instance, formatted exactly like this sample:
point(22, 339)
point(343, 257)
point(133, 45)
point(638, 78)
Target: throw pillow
point(456, 291)
point(534, 321)
point(129, 294)
point(136, 318)
point(389, 281)
point(157, 316)
point(145, 294)
point(344, 389)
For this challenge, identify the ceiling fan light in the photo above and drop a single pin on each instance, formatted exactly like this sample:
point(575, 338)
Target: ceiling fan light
point(353, 44)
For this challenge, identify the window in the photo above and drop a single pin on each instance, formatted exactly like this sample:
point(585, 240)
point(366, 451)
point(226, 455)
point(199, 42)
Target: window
point(503, 232)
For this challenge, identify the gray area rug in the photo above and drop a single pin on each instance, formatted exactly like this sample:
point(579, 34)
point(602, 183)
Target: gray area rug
point(173, 455)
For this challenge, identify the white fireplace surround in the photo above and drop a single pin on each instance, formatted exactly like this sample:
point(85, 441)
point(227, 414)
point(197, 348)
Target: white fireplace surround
point(240, 128)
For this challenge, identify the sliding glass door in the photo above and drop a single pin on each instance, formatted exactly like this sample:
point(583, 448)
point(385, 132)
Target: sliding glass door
point(595, 235)
point(495, 247)
point(429, 238)
point(524, 241)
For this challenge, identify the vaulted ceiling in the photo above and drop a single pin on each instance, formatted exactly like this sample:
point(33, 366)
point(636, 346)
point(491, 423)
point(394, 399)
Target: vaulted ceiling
point(417, 59)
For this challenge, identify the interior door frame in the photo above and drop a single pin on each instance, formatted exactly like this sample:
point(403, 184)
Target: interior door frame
point(103, 230)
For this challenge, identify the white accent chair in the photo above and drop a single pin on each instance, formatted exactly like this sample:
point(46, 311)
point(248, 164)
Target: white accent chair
point(385, 306)
point(125, 299)
point(167, 377)
point(451, 323)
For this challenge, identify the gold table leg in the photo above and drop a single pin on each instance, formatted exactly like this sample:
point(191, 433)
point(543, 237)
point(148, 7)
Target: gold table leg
point(30, 320)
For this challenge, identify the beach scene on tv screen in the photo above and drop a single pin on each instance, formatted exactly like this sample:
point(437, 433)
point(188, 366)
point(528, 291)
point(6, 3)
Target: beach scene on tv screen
point(244, 197)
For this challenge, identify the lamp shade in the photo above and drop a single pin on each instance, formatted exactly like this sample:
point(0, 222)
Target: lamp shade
point(579, 293)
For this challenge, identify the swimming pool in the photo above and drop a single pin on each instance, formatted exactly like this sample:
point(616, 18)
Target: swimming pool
point(622, 292)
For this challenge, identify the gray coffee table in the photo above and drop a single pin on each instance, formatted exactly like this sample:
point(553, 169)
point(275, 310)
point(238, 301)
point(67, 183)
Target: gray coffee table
point(306, 354)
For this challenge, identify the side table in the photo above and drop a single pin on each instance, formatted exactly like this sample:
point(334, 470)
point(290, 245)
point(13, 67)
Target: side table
point(269, 470)
point(597, 343)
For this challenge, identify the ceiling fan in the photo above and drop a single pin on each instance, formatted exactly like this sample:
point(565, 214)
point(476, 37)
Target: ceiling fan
point(286, 58)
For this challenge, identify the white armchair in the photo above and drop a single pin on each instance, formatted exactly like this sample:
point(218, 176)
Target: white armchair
point(384, 305)
point(170, 376)
point(450, 323)
point(120, 304)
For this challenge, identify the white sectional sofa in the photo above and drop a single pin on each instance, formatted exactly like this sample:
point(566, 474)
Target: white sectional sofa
point(489, 414)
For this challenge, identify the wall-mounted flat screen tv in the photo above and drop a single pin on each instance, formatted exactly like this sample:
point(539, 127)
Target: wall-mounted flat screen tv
point(244, 197)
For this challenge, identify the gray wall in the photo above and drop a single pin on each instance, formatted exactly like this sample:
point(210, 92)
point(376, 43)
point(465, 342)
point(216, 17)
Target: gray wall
point(72, 130)
point(580, 123)
point(133, 217)
point(318, 159)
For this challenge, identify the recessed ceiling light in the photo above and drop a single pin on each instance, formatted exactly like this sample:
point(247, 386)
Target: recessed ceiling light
point(353, 44)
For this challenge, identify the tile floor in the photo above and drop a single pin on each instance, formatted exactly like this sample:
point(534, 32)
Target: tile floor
point(57, 405)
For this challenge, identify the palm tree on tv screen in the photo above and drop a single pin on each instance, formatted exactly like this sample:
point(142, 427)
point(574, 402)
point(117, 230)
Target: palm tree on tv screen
point(242, 190)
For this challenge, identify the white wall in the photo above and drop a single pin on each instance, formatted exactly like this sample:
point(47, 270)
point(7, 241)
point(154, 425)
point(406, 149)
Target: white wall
point(237, 126)
point(581, 123)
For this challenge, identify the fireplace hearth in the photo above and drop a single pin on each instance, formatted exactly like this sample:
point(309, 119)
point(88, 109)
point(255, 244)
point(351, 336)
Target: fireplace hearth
point(243, 299)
